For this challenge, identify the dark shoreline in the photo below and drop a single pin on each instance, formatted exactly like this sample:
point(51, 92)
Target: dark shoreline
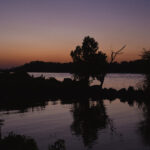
point(136, 66)
point(21, 89)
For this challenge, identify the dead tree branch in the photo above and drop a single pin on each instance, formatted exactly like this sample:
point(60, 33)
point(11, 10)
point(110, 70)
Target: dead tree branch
point(114, 54)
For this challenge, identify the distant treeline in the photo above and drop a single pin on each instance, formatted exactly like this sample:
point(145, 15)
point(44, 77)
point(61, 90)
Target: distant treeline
point(136, 66)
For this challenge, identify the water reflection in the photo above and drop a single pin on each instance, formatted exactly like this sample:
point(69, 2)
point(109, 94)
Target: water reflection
point(89, 117)
point(1, 124)
point(144, 126)
point(23, 105)
point(113, 80)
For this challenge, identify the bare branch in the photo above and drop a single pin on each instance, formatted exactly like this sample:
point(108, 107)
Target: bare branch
point(114, 54)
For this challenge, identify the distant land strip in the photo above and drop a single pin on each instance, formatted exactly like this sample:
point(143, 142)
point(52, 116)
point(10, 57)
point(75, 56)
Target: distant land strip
point(136, 66)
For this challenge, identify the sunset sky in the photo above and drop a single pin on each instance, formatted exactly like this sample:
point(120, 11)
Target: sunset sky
point(48, 30)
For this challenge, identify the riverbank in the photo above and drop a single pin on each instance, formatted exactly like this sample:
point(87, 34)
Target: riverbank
point(21, 84)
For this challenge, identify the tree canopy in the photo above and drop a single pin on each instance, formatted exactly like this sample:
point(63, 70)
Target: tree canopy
point(146, 57)
point(91, 61)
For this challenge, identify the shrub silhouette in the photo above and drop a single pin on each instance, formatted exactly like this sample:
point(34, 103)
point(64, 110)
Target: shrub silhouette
point(17, 142)
point(146, 57)
point(58, 145)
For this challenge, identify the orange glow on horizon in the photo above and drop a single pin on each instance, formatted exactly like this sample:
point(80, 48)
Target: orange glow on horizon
point(48, 30)
point(17, 53)
point(20, 58)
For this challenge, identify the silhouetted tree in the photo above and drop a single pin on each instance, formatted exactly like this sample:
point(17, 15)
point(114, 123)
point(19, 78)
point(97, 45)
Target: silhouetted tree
point(146, 57)
point(90, 61)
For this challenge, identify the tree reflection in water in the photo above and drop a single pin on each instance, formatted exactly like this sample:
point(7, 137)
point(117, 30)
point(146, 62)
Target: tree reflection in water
point(144, 126)
point(89, 117)
point(1, 124)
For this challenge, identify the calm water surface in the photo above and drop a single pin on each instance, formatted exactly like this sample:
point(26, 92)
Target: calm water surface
point(114, 80)
point(91, 124)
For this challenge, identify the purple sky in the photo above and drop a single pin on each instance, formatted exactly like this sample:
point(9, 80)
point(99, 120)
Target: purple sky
point(49, 29)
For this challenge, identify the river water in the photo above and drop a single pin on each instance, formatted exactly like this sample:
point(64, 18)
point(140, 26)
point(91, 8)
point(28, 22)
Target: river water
point(88, 124)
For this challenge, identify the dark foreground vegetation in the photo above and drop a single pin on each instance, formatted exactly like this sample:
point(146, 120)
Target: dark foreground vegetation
point(22, 85)
point(17, 142)
point(22, 142)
